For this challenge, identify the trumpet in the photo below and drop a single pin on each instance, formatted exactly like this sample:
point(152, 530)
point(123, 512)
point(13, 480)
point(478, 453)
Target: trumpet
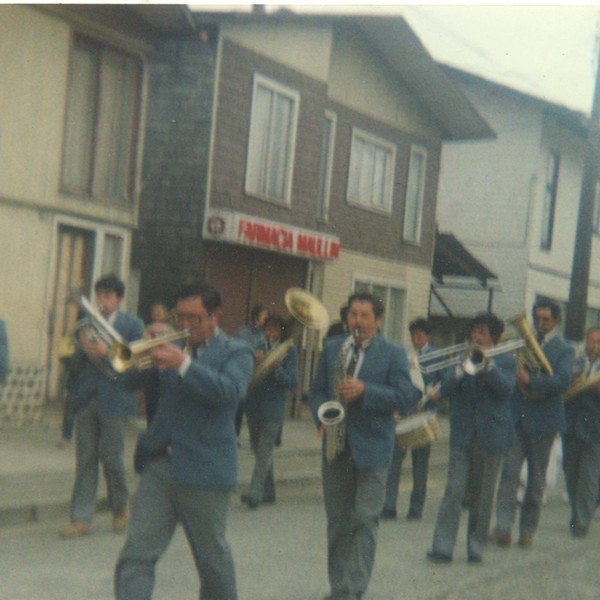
point(122, 356)
point(472, 358)
point(138, 355)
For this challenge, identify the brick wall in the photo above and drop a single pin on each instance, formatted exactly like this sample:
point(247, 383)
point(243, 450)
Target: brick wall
point(167, 247)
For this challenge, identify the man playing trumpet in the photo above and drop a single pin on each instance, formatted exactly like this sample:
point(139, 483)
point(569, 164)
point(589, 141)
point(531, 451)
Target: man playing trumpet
point(374, 383)
point(480, 429)
point(581, 441)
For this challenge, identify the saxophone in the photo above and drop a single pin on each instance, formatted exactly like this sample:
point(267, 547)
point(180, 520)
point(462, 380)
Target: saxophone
point(332, 414)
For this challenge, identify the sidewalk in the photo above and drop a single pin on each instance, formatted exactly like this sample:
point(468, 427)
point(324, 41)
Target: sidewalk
point(36, 476)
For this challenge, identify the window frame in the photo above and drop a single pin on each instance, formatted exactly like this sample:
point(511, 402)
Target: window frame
point(390, 286)
point(549, 200)
point(326, 166)
point(101, 55)
point(415, 149)
point(387, 146)
point(254, 133)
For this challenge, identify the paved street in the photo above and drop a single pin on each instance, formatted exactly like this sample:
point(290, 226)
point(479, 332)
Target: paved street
point(280, 555)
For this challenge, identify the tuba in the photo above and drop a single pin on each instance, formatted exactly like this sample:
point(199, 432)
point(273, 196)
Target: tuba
point(332, 414)
point(531, 357)
point(306, 311)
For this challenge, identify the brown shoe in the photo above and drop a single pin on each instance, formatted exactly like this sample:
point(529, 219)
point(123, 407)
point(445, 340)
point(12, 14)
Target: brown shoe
point(526, 540)
point(120, 519)
point(500, 538)
point(73, 530)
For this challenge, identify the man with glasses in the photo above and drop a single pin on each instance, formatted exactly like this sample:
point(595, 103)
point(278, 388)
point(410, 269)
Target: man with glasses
point(188, 456)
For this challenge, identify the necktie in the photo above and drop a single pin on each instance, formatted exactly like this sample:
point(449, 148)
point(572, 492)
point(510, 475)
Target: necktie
point(353, 361)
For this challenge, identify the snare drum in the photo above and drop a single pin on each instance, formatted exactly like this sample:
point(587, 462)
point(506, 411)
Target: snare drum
point(417, 430)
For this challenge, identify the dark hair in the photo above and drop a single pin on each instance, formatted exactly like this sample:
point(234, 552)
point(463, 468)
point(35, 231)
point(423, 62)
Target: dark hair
point(209, 294)
point(343, 313)
point(110, 283)
point(256, 310)
point(421, 324)
point(491, 321)
point(275, 321)
point(376, 302)
point(554, 308)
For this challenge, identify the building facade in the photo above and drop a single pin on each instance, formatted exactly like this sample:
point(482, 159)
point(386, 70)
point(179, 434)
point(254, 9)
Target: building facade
point(288, 151)
point(72, 100)
point(514, 201)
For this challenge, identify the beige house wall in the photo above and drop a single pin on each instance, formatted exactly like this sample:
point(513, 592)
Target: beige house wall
point(35, 50)
point(339, 277)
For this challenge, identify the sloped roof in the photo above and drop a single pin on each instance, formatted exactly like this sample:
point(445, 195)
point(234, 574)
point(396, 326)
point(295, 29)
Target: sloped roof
point(574, 120)
point(452, 259)
point(402, 50)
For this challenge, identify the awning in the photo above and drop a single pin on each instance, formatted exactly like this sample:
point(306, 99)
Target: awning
point(456, 271)
point(451, 258)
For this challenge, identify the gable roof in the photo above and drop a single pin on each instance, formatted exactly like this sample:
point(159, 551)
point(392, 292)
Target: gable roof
point(574, 120)
point(396, 43)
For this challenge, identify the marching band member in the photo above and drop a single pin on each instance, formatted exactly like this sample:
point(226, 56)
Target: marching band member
point(374, 383)
point(581, 440)
point(420, 334)
point(265, 410)
point(188, 456)
point(539, 414)
point(480, 429)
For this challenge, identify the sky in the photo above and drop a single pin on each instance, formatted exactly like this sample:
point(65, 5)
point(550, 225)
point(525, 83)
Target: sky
point(547, 50)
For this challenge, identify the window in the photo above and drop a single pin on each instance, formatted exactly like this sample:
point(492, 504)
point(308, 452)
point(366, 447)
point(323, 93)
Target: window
point(394, 300)
point(329, 126)
point(272, 140)
point(549, 205)
point(415, 192)
point(101, 122)
point(371, 176)
point(596, 216)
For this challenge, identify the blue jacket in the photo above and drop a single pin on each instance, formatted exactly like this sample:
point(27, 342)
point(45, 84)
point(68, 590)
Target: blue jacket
point(371, 428)
point(583, 411)
point(114, 397)
point(480, 405)
point(270, 395)
point(544, 414)
point(195, 415)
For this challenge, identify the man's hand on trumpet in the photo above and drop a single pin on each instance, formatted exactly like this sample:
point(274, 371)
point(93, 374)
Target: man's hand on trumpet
point(168, 356)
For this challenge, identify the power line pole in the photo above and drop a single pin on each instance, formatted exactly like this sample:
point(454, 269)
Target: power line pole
point(580, 269)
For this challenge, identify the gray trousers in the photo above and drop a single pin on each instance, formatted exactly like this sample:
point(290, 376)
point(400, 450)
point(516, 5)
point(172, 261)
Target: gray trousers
point(474, 471)
point(420, 469)
point(158, 505)
point(581, 465)
point(353, 503)
point(536, 450)
point(98, 438)
point(263, 433)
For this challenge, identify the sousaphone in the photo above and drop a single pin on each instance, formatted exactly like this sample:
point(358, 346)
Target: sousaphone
point(306, 311)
